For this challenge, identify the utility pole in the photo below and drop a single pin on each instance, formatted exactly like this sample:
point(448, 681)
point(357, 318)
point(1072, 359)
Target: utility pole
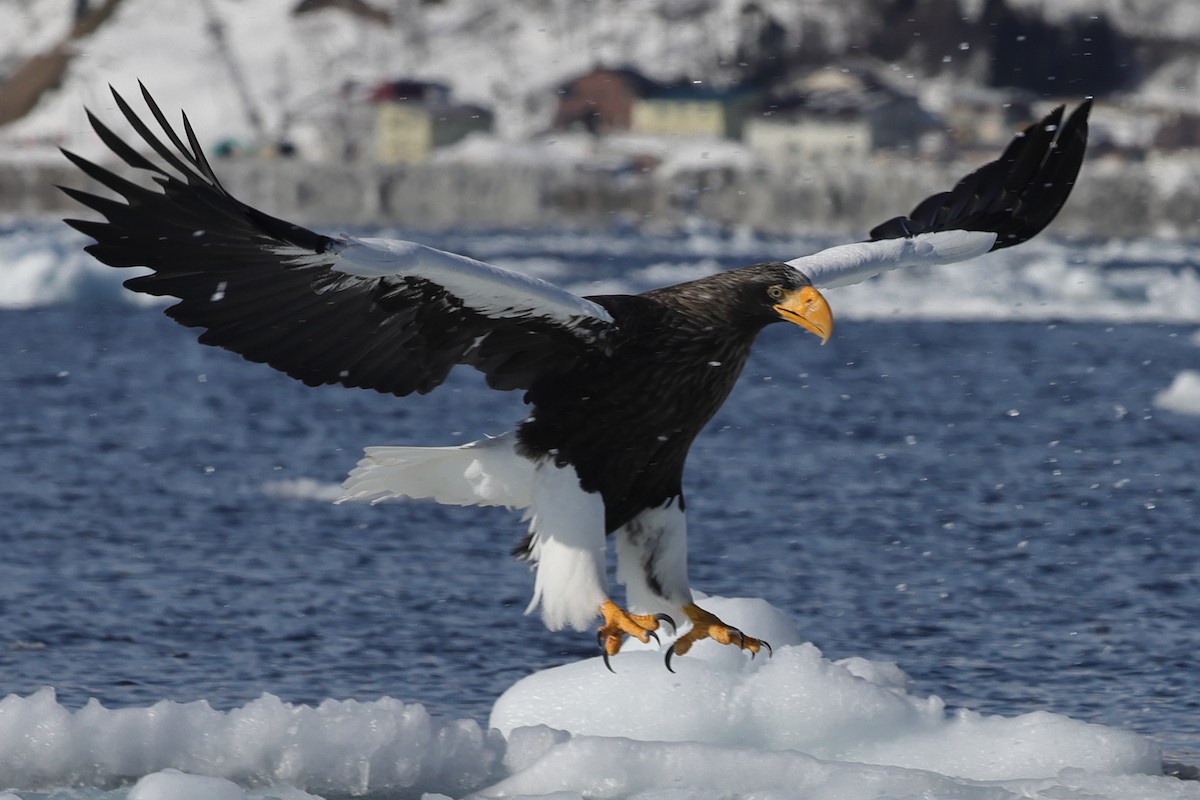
point(216, 29)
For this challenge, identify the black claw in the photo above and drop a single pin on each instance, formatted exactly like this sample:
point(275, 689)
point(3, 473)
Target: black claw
point(667, 618)
point(654, 636)
point(770, 652)
point(670, 653)
point(610, 669)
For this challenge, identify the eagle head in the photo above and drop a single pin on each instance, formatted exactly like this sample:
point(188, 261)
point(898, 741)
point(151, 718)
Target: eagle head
point(776, 292)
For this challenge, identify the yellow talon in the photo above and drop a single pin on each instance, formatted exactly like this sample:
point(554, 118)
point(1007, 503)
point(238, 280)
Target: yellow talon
point(708, 626)
point(619, 623)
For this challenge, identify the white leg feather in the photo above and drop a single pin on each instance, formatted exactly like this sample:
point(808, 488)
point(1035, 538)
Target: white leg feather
point(652, 560)
point(567, 528)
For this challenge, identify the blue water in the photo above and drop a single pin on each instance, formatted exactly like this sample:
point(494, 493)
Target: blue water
point(996, 506)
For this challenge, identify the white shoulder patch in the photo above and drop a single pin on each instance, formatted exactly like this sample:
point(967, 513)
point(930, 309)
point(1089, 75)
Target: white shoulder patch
point(487, 289)
point(853, 263)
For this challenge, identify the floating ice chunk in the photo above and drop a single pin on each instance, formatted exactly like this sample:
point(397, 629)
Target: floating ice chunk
point(793, 726)
point(171, 784)
point(1183, 395)
point(597, 767)
point(175, 785)
point(341, 747)
point(303, 489)
point(43, 269)
point(527, 745)
point(852, 711)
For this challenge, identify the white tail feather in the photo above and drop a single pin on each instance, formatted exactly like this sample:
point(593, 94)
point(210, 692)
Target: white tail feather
point(566, 523)
point(484, 473)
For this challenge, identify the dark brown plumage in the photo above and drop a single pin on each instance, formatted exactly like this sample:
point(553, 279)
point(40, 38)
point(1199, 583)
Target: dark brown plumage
point(625, 420)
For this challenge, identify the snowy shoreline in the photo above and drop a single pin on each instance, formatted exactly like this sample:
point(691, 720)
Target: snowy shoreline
point(1113, 199)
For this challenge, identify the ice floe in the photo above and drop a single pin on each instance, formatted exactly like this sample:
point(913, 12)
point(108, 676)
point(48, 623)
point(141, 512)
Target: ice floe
point(794, 725)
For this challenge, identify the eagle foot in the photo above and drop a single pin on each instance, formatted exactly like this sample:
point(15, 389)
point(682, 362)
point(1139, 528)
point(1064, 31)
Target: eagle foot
point(619, 623)
point(707, 626)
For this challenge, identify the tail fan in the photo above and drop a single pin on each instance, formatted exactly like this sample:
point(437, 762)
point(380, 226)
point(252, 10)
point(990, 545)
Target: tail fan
point(488, 472)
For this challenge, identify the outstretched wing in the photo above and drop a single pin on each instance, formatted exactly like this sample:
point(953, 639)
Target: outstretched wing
point(1003, 203)
point(388, 315)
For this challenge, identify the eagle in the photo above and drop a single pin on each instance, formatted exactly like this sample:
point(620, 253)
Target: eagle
point(617, 386)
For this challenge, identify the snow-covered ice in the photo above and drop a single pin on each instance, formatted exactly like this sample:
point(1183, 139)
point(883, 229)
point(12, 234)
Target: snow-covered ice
point(849, 711)
point(792, 725)
point(176, 785)
point(337, 746)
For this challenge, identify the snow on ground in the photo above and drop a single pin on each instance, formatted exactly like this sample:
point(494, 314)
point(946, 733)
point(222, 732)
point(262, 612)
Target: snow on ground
point(722, 726)
point(511, 56)
point(671, 155)
point(1165, 18)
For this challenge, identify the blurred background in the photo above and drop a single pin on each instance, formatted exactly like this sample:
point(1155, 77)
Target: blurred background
point(772, 114)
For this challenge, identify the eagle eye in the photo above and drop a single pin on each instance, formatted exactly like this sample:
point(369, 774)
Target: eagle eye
point(775, 292)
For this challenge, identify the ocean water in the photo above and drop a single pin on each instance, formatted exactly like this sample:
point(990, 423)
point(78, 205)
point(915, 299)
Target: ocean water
point(971, 480)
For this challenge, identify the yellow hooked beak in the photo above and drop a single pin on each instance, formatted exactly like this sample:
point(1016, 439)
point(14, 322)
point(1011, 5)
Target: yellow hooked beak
point(807, 308)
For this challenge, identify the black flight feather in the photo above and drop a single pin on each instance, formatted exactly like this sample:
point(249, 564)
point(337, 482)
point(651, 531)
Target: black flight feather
point(259, 287)
point(1015, 196)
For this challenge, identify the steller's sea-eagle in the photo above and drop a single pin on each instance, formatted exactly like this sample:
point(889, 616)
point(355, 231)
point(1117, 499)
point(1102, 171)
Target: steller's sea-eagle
point(618, 385)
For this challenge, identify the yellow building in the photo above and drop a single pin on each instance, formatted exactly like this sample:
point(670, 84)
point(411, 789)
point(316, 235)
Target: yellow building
point(692, 110)
point(413, 118)
point(403, 133)
point(816, 139)
point(678, 116)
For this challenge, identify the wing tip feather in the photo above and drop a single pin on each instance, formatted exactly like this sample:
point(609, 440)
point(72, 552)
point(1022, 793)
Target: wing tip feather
point(1027, 185)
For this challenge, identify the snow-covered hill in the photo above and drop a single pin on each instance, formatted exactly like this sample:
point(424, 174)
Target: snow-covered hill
point(510, 56)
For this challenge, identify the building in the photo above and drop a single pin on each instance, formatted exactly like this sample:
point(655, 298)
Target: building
point(985, 119)
point(601, 101)
point(407, 120)
point(692, 109)
point(782, 136)
point(837, 114)
point(625, 101)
